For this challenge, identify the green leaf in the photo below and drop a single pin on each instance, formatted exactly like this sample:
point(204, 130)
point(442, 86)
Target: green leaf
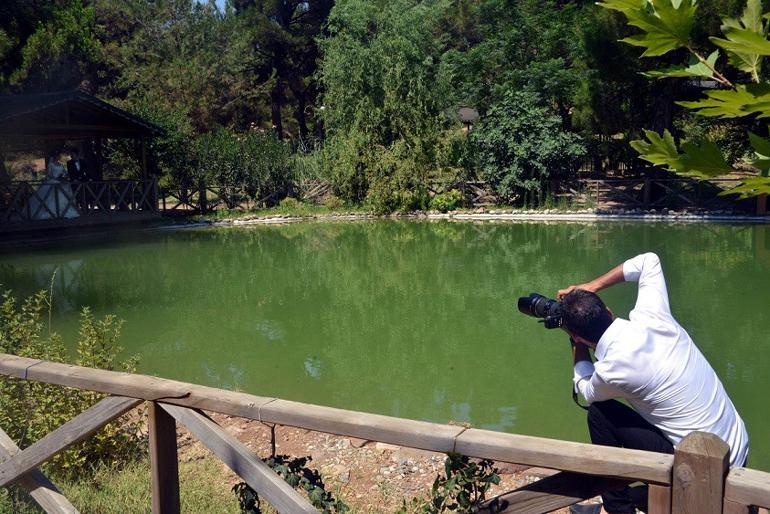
point(761, 147)
point(703, 159)
point(695, 68)
point(658, 150)
point(744, 100)
point(666, 23)
point(746, 41)
point(750, 187)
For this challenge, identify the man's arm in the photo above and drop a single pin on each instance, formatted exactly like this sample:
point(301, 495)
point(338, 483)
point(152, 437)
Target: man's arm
point(612, 277)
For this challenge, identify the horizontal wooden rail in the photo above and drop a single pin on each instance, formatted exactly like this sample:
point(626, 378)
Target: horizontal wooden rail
point(748, 487)
point(518, 449)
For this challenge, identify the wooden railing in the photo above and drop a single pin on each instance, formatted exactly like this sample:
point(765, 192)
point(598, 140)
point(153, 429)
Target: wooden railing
point(207, 198)
point(693, 480)
point(647, 193)
point(29, 201)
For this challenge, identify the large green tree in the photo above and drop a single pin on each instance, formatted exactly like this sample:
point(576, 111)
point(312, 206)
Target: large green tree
point(278, 55)
point(384, 98)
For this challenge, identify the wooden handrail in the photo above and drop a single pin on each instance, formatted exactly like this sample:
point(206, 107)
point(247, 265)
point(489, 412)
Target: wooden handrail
point(694, 479)
point(519, 449)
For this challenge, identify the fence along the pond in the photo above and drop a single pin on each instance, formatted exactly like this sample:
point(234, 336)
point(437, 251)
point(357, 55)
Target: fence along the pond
point(694, 480)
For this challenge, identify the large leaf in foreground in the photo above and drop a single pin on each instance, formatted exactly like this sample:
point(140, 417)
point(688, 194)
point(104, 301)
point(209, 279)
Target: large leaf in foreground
point(746, 39)
point(701, 160)
point(744, 100)
point(761, 148)
point(694, 68)
point(750, 187)
point(666, 23)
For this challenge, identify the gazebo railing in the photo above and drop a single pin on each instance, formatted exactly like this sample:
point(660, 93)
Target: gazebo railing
point(51, 200)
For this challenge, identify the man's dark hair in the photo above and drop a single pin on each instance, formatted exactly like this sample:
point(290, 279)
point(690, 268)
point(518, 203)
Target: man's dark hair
point(585, 315)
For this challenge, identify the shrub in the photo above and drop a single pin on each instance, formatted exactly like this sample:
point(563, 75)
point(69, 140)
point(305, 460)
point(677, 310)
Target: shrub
point(29, 410)
point(255, 161)
point(448, 201)
point(521, 144)
point(290, 204)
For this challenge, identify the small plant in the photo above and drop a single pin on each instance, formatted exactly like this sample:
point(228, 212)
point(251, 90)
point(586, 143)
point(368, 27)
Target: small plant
point(333, 202)
point(29, 410)
point(290, 204)
point(449, 201)
point(295, 472)
point(462, 489)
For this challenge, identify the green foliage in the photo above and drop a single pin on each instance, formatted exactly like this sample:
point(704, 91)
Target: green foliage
point(666, 24)
point(449, 201)
point(29, 410)
point(462, 488)
point(169, 155)
point(746, 39)
point(384, 100)
point(295, 471)
point(745, 43)
point(61, 50)
point(255, 160)
point(521, 145)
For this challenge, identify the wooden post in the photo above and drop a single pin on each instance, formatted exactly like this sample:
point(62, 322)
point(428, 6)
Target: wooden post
point(762, 205)
point(202, 200)
point(701, 463)
point(143, 157)
point(658, 499)
point(164, 465)
point(646, 192)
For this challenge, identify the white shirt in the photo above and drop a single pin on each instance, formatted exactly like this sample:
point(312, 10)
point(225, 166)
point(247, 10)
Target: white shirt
point(653, 363)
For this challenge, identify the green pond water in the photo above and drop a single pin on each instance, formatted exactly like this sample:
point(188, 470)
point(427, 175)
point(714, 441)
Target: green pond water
point(410, 319)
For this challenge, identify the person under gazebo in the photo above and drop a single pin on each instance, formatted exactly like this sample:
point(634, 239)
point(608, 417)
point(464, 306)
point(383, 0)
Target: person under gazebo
point(54, 198)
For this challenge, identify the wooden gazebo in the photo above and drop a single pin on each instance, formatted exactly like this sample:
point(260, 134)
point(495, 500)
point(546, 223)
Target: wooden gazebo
point(36, 121)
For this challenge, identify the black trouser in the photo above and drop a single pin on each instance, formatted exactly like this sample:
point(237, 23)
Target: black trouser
point(612, 423)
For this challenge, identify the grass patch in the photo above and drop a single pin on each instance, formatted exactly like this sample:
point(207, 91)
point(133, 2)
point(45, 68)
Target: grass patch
point(204, 487)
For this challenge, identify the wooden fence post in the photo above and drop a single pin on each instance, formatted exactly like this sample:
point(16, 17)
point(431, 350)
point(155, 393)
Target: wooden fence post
point(647, 192)
point(202, 200)
point(163, 461)
point(701, 463)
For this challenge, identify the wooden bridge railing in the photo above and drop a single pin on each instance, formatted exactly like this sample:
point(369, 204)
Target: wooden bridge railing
point(25, 201)
point(694, 480)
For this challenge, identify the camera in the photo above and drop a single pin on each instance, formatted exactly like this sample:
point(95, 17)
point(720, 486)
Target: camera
point(540, 306)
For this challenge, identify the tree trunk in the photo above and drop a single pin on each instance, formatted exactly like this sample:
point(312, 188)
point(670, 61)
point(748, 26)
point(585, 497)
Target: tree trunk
point(276, 102)
point(299, 114)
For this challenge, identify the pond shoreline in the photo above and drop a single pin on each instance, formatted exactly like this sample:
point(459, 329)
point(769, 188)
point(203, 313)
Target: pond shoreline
point(585, 215)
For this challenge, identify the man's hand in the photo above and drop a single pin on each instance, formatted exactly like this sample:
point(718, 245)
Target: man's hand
point(564, 292)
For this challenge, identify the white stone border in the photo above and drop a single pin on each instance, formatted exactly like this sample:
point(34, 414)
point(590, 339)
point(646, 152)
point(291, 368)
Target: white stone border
point(584, 216)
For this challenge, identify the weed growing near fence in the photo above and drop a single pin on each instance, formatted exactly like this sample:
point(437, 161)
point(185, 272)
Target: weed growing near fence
point(29, 410)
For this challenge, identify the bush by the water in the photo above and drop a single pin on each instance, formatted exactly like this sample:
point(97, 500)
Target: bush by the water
point(254, 160)
point(449, 201)
point(29, 410)
point(521, 144)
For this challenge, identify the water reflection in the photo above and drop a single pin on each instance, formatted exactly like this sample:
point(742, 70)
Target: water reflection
point(408, 319)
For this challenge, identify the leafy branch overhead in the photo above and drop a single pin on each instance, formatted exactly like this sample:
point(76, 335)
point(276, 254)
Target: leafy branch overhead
point(666, 26)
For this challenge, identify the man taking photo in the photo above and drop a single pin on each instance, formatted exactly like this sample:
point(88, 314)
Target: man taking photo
point(651, 362)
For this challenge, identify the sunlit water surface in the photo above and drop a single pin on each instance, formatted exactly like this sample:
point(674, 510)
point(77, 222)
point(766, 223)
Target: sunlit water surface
point(410, 319)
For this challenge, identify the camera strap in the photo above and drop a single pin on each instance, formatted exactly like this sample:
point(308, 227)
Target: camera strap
point(575, 399)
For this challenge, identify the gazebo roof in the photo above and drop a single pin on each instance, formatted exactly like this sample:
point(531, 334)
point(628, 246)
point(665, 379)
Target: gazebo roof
point(68, 115)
